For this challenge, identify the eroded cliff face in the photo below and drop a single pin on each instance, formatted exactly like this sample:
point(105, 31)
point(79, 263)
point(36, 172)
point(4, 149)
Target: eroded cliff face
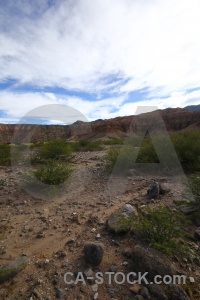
point(171, 119)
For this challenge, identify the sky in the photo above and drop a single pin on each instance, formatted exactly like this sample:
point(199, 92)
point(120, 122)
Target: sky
point(104, 58)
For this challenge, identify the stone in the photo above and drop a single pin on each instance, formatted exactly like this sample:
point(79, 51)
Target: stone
point(113, 268)
point(12, 268)
point(135, 288)
point(191, 279)
point(128, 210)
point(121, 220)
point(37, 294)
point(176, 292)
point(158, 292)
point(152, 261)
point(144, 292)
point(59, 293)
point(93, 253)
point(113, 292)
point(187, 210)
point(96, 296)
point(88, 273)
point(40, 235)
point(94, 287)
point(154, 190)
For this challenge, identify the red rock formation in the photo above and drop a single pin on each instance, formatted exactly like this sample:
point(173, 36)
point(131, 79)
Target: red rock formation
point(173, 119)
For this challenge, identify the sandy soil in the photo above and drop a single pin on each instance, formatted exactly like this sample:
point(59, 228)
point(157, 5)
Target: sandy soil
point(65, 223)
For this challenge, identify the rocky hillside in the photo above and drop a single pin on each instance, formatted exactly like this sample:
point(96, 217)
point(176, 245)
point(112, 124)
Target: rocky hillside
point(173, 119)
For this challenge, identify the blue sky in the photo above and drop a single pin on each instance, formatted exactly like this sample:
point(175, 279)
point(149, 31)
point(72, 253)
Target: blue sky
point(101, 57)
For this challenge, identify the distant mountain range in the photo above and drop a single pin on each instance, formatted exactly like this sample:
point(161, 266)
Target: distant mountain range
point(193, 107)
point(173, 119)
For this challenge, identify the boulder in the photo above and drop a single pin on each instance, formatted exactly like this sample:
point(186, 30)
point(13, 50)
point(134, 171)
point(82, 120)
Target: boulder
point(121, 221)
point(151, 261)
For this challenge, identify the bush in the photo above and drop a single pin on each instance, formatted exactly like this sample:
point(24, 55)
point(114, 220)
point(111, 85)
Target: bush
point(120, 159)
point(36, 145)
point(113, 141)
point(187, 146)
point(194, 181)
point(87, 145)
point(47, 180)
point(161, 228)
point(5, 151)
point(52, 173)
point(54, 150)
point(158, 151)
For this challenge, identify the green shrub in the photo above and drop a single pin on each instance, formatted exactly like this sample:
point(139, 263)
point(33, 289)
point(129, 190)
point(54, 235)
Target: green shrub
point(187, 146)
point(160, 152)
point(161, 228)
point(36, 145)
point(87, 145)
point(47, 180)
point(113, 141)
point(52, 173)
point(54, 150)
point(147, 153)
point(194, 181)
point(5, 151)
point(120, 159)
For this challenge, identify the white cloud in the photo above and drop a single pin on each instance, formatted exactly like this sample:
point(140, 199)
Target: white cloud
point(74, 43)
point(80, 45)
point(16, 105)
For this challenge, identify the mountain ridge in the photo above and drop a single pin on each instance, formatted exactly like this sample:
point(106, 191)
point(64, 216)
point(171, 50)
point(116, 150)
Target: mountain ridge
point(170, 119)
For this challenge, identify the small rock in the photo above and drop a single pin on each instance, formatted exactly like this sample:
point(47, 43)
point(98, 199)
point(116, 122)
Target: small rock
point(101, 222)
point(59, 293)
point(40, 235)
point(191, 279)
point(37, 294)
point(88, 273)
point(93, 253)
point(113, 291)
point(69, 242)
point(94, 287)
point(135, 288)
point(145, 293)
point(96, 296)
point(61, 254)
point(113, 268)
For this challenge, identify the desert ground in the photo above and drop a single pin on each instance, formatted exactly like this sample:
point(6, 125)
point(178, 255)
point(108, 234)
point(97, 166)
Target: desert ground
point(49, 234)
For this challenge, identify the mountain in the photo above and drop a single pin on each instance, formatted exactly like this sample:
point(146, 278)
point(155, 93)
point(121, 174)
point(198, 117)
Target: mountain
point(193, 107)
point(171, 119)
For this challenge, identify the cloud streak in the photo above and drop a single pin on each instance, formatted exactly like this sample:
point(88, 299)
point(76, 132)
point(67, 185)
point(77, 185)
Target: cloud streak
point(101, 46)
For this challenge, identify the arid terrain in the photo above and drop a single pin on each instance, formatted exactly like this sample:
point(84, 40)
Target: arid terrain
point(45, 235)
point(50, 234)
